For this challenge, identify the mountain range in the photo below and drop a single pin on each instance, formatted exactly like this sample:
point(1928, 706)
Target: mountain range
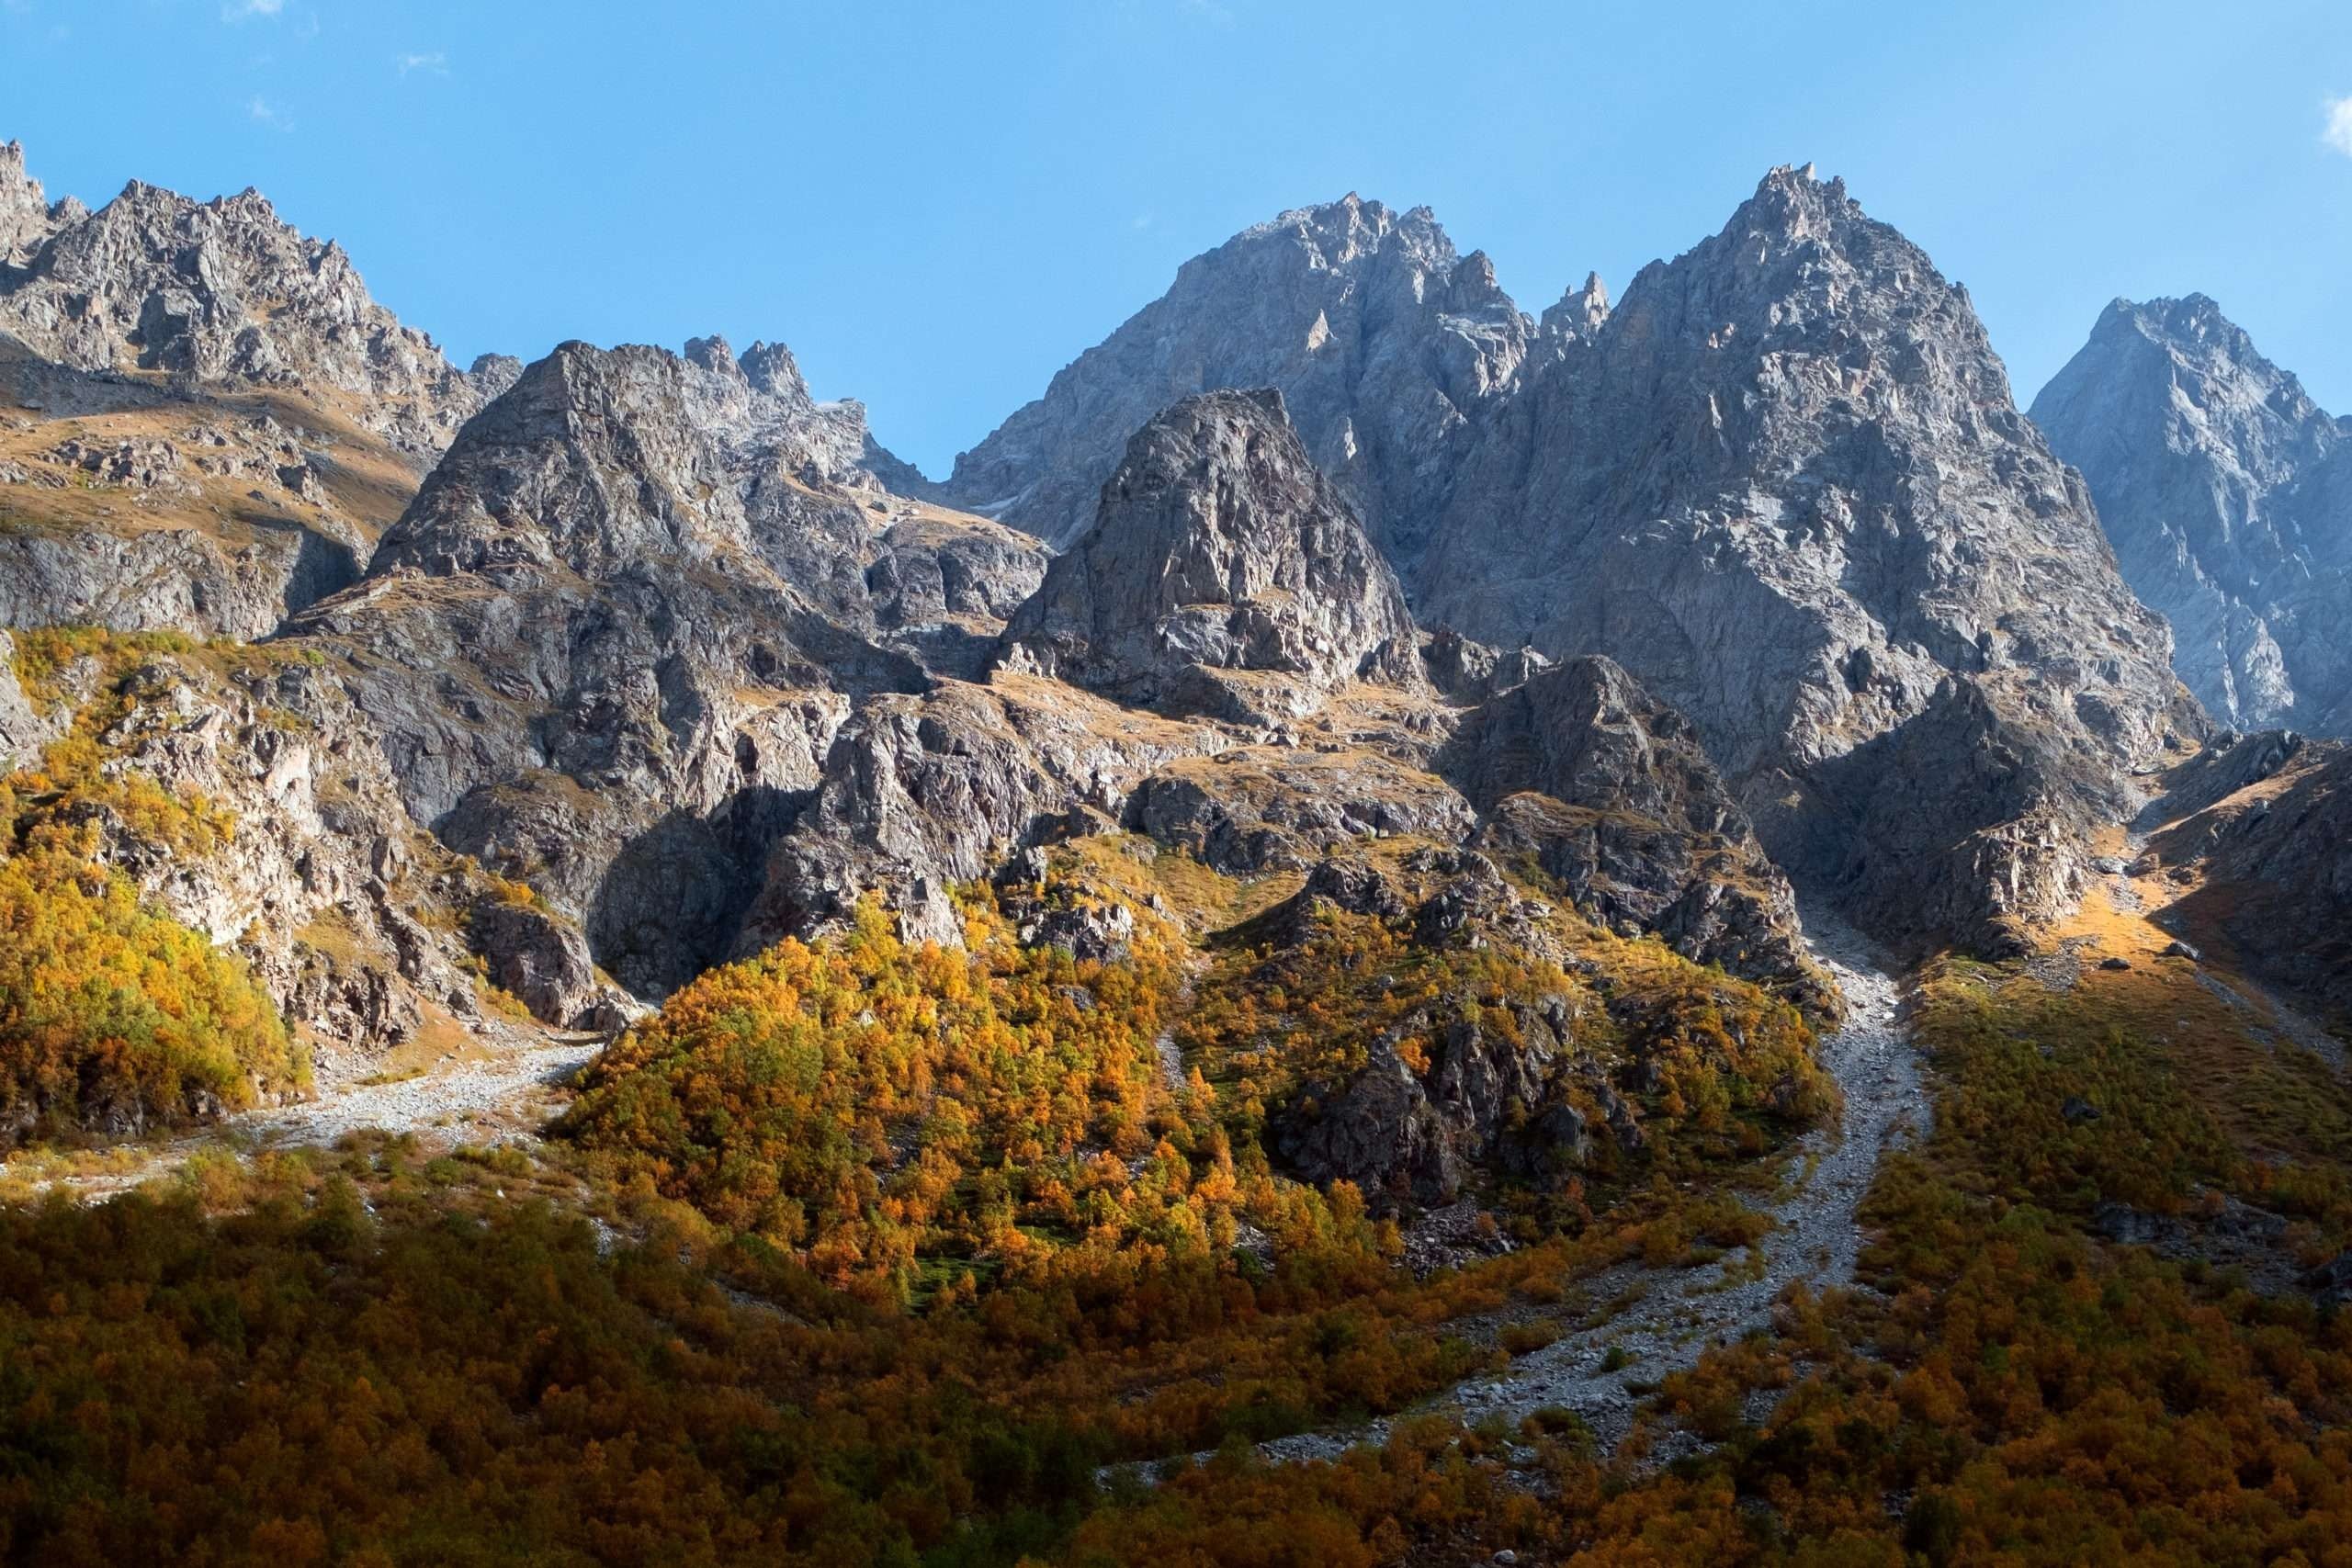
point(647, 618)
point(1354, 784)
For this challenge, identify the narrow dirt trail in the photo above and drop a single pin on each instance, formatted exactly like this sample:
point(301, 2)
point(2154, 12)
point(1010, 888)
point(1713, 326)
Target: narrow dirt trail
point(1677, 1313)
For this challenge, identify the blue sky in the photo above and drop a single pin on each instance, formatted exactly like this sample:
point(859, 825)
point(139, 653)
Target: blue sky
point(937, 206)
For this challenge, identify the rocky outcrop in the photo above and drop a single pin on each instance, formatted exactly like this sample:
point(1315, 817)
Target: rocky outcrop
point(1050, 910)
point(1417, 1137)
point(1783, 484)
point(1968, 823)
point(352, 919)
point(492, 374)
point(920, 794)
point(207, 584)
point(1582, 773)
point(1459, 1088)
point(943, 585)
point(142, 502)
point(214, 291)
point(1385, 345)
point(1256, 809)
point(2228, 495)
point(1223, 575)
point(1466, 672)
point(541, 960)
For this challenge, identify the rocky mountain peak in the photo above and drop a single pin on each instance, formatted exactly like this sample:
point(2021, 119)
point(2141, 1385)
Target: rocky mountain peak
point(2193, 319)
point(610, 641)
point(1783, 482)
point(491, 374)
point(1223, 575)
point(1335, 234)
point(595, 456)
point(2228, 494)
point(215, 291)
point(713, 353)
point(769, 367)
point(1796, 201)
point(1385, 343)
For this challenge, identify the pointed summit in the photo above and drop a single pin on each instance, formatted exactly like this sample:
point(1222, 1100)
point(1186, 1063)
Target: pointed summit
point(220, 290)
point(1580, 313)
point(2228, 494)
point(1783, 484)
point(1387, 348)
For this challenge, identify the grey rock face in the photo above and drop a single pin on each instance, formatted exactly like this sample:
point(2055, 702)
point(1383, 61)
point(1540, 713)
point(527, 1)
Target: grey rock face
point(1467, 671)
point(191, 513)
point(1966, 822)
point(1383, 341)
point(609, 645)
point(1258, 808)
point(1609, 791)
point(1507, 1097)
point(542, 961)
point(1404, 1136)
point(491, 374)
point(214, 290)
point(580, 658)
point(1782, 483)
point(26, 217)
point(167, 578)
point(1223, 575)
point(920, 794)
point(2228, 494)
point(1519, 1094)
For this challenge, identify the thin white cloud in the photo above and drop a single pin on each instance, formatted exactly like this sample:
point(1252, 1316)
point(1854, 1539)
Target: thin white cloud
point(238, 10)
point(434, 61)
point(261, 111)
point(2339, 134)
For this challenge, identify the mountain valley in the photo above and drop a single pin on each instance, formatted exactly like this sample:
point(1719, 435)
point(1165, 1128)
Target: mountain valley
point(1386, 931)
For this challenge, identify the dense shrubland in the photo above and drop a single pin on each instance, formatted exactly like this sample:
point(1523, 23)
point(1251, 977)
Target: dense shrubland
point(375, 1357)
point(911, 1240)
point(901, 1118)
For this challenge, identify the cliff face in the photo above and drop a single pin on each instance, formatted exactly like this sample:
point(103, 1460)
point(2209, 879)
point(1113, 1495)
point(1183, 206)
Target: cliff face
point(1385, 343)
point(2228, 493)
point(2253, 839)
